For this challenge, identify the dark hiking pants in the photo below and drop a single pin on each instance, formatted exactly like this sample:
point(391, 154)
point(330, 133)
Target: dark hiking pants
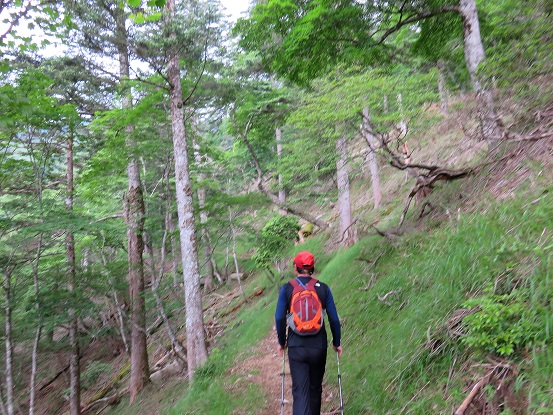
point(307, 368)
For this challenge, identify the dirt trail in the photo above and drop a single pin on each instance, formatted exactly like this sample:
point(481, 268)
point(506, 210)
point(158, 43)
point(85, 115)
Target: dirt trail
point(264, 368)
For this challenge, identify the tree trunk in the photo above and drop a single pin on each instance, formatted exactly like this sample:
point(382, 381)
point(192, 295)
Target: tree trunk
point(474, 49)
point(371, 157)
point(140, 372)
point(120, 314)
point(347, 236)
point(235, 258)
point(201, 192)
point(402, 126)
point(274, 199)
point(491, 128)
point(442, 89)
point(38, 333)
point(8, 344)
point(195, 340)
point(74, 364)
point(281, 191)
point(156, 279)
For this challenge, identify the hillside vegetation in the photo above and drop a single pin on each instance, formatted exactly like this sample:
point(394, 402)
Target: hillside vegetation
point(462, 295)
point(159, 172)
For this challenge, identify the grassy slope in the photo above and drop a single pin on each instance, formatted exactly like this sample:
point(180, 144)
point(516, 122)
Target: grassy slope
point(388, 365)
point(398, 355)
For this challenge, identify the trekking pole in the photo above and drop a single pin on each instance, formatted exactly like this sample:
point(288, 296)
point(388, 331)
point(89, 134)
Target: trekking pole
point(340, 385)
point(282, 396)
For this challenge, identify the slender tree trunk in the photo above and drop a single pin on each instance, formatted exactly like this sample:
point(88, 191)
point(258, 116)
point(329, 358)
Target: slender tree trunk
point(175, 249)
point(281, 191)
point(8, 344)
point(201, 192)
point(235, 258)
point(34, 357)
point(274, 199)
point(74, 364)
point(195, 340)
point(442, 89)
point(175, 252)
point(156, 279)
point(492, 130)
point(347, 236)
point(140, 372)
point(371, 157)
point(118, 307)
point(402, 126)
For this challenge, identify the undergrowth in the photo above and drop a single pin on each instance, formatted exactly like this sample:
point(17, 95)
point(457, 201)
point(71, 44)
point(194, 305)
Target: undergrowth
point(422, 316)
point(396, 299)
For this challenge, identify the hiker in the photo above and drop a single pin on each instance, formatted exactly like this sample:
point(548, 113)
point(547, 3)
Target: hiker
point(306, 351)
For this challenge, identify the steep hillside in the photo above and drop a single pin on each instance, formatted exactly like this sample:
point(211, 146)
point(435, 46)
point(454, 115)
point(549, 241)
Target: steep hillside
point(450, 312)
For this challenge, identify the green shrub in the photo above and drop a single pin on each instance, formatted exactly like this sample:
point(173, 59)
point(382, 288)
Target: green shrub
point(502, 324)
point(276, 237)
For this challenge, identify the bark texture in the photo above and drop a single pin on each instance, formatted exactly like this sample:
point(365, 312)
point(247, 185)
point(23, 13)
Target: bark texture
point(347, 234)
point(134, 217)
point(491, 127)
point(74, 363)
point(195, 341)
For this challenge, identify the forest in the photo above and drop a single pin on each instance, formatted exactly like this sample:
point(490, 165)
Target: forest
point(161, 163)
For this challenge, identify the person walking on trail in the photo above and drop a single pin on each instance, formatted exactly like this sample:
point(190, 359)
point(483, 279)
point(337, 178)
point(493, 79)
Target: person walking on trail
point(306, 339)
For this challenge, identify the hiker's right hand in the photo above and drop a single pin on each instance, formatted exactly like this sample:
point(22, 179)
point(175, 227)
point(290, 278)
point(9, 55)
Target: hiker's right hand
point(338, 350)
point(281, 349)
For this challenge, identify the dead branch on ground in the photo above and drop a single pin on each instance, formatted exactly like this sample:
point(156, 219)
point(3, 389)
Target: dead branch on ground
point(383, 298)
point(372, 263)
point(475, 389)
point(107, 401)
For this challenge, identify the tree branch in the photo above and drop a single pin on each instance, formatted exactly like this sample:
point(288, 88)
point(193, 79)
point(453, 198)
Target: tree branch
point(274, 199)
point(413, 19)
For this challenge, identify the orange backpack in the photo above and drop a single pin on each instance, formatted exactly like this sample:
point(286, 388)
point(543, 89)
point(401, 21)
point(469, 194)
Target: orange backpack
point(306, 311)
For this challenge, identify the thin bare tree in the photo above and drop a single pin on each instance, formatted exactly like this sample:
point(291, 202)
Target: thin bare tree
point(195, 338)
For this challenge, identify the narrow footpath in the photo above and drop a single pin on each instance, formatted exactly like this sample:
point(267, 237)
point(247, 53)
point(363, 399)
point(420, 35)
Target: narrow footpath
point(264, 368)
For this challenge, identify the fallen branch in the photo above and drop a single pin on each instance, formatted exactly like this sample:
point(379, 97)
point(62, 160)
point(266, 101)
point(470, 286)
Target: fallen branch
point(383, 299)
point(425, 183)
point(107, 401)
point(240, 304)
point(373, 263)
point(475, 389)
point(345, 231)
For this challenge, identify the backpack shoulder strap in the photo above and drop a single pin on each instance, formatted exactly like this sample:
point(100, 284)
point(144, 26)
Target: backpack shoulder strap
point(312, 282)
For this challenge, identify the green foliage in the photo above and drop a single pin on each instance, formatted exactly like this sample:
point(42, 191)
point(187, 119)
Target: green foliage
point(501, 325)
point(276, 237)
point(303, 40)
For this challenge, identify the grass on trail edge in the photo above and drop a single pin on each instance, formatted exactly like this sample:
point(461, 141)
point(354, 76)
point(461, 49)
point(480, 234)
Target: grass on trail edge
point(394, 300)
